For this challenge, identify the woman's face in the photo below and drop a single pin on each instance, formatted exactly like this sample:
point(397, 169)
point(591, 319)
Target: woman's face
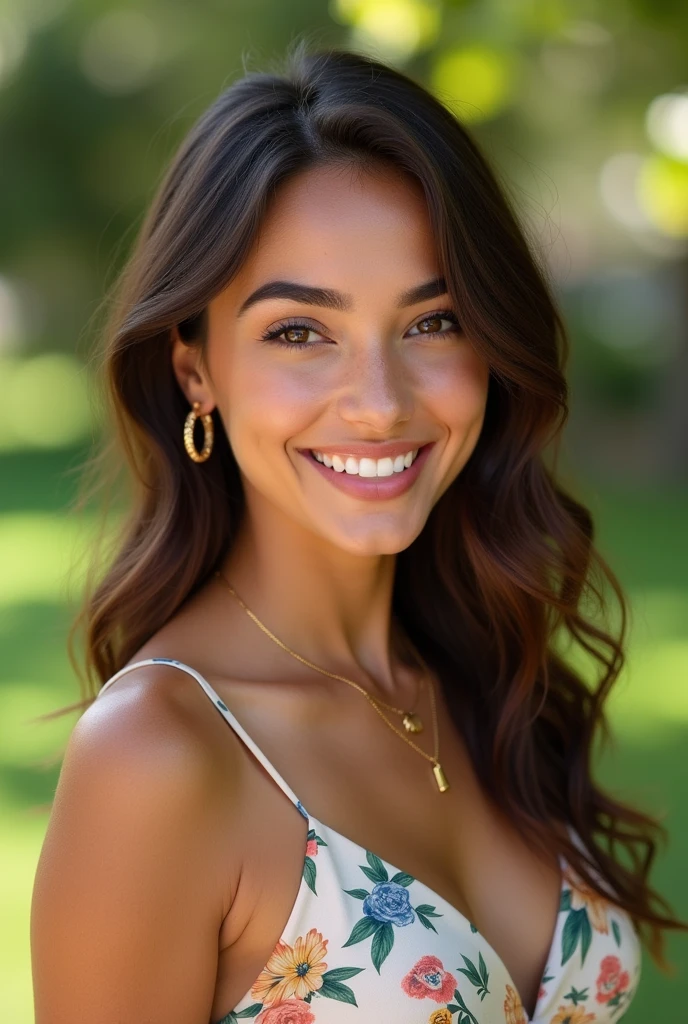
point(335, 338)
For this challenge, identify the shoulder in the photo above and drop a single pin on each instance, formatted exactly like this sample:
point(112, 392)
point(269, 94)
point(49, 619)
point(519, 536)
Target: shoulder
point(146, 790)
point(153, 726)
point(136, 851)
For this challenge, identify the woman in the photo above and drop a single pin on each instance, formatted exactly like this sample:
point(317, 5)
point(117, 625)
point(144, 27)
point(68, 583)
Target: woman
point(365, 563)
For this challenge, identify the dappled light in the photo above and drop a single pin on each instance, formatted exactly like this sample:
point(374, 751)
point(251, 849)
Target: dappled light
point(476, 82)
point(46, 403)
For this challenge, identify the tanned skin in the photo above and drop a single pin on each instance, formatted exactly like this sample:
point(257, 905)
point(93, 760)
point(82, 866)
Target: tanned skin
point(172, 859)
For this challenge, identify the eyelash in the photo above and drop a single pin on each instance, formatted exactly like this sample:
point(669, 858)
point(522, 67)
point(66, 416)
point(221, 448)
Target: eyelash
point(272, 337)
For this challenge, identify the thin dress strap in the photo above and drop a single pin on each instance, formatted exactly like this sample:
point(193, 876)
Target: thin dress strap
point(225, 712)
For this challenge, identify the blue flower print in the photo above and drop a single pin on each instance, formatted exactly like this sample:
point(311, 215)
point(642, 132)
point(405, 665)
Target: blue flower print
point(386, 907)
point(389, 902)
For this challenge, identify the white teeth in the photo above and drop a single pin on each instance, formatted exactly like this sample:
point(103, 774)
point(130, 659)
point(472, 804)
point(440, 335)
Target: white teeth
point(365, 467)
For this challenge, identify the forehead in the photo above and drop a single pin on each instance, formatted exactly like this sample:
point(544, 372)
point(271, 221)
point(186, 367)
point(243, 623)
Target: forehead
point(342, 227)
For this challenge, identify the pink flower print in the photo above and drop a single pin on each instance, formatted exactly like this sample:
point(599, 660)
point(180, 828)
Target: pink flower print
point(612, 980)
point(311, 848)
point(428, 980)
point(292, 1011)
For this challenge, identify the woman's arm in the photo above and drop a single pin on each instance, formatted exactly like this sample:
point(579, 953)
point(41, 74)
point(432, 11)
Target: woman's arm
point(128, 900)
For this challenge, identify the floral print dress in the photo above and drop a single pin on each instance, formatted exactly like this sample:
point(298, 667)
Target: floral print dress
point(365, 941)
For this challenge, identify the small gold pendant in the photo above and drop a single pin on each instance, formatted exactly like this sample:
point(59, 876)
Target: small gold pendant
point(412, 722)
point(440, 777)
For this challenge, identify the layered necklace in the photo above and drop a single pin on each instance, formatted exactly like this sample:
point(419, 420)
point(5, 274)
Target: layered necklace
point(410, 719)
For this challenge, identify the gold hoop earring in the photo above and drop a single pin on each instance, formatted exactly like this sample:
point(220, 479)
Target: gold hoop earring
point(207, 421)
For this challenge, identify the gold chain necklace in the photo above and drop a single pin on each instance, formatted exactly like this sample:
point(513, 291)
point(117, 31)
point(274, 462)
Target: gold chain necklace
point(440, 777)
point(410, 719)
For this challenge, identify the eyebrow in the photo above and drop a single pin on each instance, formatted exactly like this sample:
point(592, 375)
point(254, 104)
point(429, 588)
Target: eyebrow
point(332, 299)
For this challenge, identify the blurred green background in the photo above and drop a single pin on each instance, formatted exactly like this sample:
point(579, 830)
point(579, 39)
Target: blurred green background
point(583, 108)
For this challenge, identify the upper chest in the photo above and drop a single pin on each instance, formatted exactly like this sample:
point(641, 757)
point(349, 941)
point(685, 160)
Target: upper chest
point(370, 787)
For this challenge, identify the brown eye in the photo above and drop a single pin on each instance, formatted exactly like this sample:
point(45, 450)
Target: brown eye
point(433, 324)
point(296, 334)
point(430, 325)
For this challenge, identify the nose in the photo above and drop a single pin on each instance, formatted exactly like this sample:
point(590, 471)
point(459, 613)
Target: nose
point(378, 391)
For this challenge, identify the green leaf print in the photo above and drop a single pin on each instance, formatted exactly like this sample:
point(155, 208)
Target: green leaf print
point(402, 878)
point(427, 910)
point(342, 973)
point(383, 940)
point(577, 997)
point(363, 929)
point(571, 934)
point(332, 987)
point(478, 976)
point(377, 872)
point(465, 1015)
point(358, 894)
point(586, 936)
point(565, 902)
point(309, 874)
point(424, 913)
point(616, 932)
point(335, 990)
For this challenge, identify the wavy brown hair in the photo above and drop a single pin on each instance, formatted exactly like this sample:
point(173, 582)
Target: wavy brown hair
point(504, 574)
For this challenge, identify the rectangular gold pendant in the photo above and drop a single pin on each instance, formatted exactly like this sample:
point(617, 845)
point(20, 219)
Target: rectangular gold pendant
point(440, 778)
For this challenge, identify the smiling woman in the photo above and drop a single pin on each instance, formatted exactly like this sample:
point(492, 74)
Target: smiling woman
point(331, 282)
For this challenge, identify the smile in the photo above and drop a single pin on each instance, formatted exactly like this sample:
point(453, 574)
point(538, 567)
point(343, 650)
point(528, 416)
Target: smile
point(370, 479)
point(366, 467)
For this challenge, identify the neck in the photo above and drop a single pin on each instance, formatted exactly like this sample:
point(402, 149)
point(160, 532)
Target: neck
point(330, 606)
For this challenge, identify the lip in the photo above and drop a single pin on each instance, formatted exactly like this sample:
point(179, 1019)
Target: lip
point(372, 488)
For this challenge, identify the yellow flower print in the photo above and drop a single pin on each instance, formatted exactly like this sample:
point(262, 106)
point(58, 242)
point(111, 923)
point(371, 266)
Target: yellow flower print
point(513, 1008)
point(595, 904)
point(292, 971)
point(442, 1016)
point(572, 1015)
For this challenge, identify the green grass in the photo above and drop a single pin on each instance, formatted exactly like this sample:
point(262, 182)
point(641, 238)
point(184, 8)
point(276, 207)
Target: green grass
point(645, 539)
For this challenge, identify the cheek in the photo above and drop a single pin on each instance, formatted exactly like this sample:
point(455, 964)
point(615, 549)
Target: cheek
point(269, 402)
point(456, 390)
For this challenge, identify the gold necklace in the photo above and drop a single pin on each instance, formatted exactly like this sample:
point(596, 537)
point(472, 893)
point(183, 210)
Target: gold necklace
point(410, 719)
point(440, 777)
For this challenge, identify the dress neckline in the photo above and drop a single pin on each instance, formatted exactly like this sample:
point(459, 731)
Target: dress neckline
point(319, 825)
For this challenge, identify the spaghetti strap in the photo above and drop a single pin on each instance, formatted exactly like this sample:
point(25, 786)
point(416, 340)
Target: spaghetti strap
point(226, 713)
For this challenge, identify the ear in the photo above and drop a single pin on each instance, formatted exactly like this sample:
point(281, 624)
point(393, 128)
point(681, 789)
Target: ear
point(191, 374)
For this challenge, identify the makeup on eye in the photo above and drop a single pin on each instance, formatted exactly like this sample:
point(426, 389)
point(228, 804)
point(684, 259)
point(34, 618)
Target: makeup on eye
point(272, 335)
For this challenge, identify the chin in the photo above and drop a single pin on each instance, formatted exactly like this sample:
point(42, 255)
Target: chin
point(372, 542)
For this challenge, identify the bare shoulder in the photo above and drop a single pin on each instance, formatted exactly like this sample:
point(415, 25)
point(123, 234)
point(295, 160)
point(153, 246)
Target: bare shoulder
point(132, 880)
point(153, 710)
